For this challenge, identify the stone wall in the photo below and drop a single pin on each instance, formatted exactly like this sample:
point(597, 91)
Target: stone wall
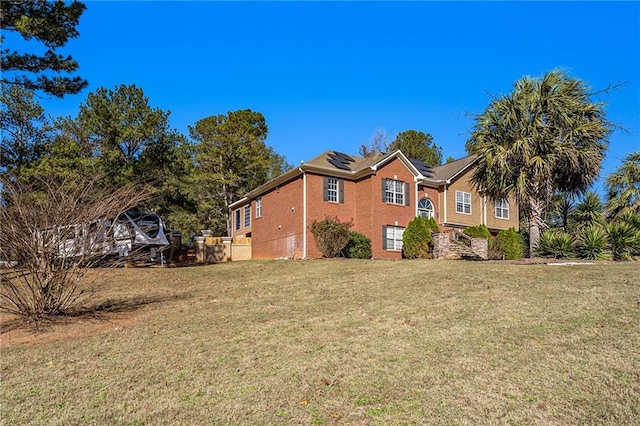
point(480, 247)
point(444, 248)
point(441, 245)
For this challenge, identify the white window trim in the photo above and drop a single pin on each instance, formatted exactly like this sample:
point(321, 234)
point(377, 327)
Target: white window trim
point(258, 207)
point(430, 213)
point(462, 194)
point(333, 190)
point(502, 205)
point(397, 239)
point(394, 192)
point(247, 216)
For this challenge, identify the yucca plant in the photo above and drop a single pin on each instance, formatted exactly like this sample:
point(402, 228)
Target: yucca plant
point(556, 244)
point(590, 211)
point(631, 218)
point(592, 242)
point(624, 240)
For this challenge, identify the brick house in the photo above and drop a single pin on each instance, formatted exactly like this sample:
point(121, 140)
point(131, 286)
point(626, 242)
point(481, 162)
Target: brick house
point(380, 194)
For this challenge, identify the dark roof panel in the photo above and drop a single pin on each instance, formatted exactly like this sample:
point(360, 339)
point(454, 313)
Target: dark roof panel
point(338, 164)
point(342, 157)
point(425, 169)
point(340, 160)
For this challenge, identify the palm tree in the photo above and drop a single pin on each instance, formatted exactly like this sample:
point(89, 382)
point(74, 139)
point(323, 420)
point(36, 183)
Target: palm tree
point(623, 187)
point(546, 136)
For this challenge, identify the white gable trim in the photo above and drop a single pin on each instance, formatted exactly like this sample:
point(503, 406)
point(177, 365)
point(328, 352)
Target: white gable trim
point(403, 158)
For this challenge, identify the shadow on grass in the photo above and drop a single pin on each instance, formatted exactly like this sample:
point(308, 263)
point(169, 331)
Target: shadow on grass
point(128, 304)
point(100, 312)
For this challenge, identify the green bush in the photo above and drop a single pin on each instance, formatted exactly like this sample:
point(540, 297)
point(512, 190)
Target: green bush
point(358, 247)
point(432, 225)
point(509, 244)
point(417, 239)
point(331, 235)
point(555, 243)
point(624, 240)
point(480, 231)
point(591, 242)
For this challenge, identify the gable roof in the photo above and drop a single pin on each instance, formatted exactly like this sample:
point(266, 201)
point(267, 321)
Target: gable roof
point(331, 163)
point(334, 161)
point(449, 171)
point(338, 164)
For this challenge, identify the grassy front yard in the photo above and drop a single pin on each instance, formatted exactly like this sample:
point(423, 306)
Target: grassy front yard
point(338, 342)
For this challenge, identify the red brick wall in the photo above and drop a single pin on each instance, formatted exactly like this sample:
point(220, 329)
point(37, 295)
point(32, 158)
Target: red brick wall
point(433, 196)
point(317, 209)
point(373, 213)
point(365, 207)
point(278, 233)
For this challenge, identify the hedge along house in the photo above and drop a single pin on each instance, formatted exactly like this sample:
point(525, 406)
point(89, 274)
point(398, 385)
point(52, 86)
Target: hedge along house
point(379, 194)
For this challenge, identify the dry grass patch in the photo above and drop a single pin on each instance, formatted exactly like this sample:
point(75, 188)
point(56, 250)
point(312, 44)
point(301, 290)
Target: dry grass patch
point(342, 342)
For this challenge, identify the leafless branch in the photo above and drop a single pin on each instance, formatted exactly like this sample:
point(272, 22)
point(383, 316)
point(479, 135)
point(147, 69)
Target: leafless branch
point(51, 233)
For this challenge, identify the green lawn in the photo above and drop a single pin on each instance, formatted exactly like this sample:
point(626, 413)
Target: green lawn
point(340, 342)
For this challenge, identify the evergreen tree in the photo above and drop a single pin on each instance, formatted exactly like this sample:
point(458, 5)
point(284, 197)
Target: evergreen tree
point(231, 158)
point(419, 146)
point(51, 23)
point(24, 129)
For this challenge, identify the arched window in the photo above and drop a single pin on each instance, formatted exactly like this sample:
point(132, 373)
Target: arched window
point(425, 208)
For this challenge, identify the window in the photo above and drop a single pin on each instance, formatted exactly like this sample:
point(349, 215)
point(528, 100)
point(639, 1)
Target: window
point(463, 202)
point(333, 190)
point(425, 208)
point(392, 237)
point(236, 220)
point(247, 216)
point(502, 209)
point(395, 192)
point(259, 207)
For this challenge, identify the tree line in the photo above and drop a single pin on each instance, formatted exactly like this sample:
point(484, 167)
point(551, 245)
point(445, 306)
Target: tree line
point(547, 137)
point(118, 136)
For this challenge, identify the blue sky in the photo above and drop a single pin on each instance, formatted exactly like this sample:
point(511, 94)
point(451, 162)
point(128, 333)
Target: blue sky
point(327, 75)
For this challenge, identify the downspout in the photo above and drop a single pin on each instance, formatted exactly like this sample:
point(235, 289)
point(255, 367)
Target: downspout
point(446, 185)
point(304, 213)
point(416, 203)
point(484, 208)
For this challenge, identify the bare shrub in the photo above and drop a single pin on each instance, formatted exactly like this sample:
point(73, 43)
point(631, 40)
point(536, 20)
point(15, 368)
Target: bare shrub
point(331, 235)
point(51, 233)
